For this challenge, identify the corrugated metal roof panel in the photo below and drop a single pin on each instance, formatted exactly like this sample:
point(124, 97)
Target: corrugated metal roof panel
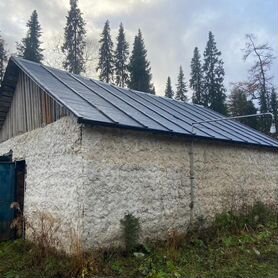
point(100, 103)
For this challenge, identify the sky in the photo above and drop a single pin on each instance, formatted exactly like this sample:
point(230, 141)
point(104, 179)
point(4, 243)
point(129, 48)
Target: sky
point(171, 29)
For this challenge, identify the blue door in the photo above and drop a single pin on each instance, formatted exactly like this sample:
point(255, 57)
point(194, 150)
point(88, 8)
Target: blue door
point(7, 196)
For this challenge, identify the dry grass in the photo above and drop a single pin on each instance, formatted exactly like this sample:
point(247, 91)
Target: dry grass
point(45, 233)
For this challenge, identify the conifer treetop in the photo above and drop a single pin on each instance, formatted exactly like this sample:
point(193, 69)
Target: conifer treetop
point(121, 59)
point(213, 78)
point(181, 86)
point(196, 78)
point(106, 55)
point(169, 91)
point(29, 48)
point(74, 40)
point(139, 67)
point(3, 58)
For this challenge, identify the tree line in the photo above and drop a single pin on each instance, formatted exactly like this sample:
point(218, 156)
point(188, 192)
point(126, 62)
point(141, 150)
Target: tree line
point(255, 95)
point(114, 65)
point(117, 65)
point(206, 79)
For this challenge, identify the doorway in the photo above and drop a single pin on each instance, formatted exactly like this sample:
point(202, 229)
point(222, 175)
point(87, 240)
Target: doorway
point(12, 188)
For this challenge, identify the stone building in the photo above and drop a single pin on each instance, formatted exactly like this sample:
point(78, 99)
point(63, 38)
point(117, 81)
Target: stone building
point(92, 152)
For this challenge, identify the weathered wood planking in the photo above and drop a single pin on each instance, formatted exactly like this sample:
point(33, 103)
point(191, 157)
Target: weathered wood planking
point(31, 108)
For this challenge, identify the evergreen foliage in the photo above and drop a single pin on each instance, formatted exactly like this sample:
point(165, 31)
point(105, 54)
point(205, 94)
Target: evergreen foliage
point(169, 91)
point(181, 87)
point(29, 48)
point(139, 67)
point(239, 105)
point(121, 59)
point(130, 229)
point(106, 55)
point(74, 40)
point(3, 58)
point(213, 70)
point(196, 79)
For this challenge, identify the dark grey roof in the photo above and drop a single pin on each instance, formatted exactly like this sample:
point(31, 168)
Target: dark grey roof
point(95, 102)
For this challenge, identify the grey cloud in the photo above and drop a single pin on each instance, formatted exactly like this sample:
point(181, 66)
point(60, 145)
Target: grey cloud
point(171, 28)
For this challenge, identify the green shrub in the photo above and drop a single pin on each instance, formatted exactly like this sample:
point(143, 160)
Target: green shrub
point(227, 221)
point(130, 229)
point(260, 214)
point(249, 217)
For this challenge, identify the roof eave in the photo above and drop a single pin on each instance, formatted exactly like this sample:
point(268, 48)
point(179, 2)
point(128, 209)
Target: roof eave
point(188, 137)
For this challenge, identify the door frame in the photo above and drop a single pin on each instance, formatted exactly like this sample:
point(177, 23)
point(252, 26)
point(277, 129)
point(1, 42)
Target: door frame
point(18, 191)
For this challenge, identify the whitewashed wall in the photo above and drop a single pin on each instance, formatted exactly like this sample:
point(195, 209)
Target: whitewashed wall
point(89, 177)
point(148, 175)
point(54, 171)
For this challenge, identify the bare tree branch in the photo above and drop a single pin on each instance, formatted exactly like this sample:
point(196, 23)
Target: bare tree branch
point(259, 82)
point(54, 56)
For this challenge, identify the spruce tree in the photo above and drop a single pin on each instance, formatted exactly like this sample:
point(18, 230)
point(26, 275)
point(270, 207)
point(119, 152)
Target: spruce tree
point(3, 58)
point(181, 87)
point(29, 48)
point(239, 105)
point(106, 55)
point(196, 79)
point(139, 67)
point(169, 91)
point(214, 91)
point(120, 59)
point(74, 40)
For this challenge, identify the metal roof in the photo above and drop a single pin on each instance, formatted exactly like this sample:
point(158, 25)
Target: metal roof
point(95, 102)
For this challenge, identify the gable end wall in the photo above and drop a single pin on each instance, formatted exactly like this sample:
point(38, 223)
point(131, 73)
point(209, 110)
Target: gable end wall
point(54, 173)
point(31, 108)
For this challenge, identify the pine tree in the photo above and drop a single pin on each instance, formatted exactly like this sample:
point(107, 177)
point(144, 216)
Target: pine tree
point(3, 58)
point(29, 48)
point(214, 91)
point(74, 40)
point(169, 91)
point(181, 87)
point(120, 59)
point(139, 67)
point(239, 105)
point(106, 55)
point(196, 79)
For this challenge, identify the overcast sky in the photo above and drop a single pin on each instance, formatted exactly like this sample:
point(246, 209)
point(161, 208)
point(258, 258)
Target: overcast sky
point(171, 28)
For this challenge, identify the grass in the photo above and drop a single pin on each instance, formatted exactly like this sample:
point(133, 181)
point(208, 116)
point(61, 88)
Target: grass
point(235, 245)
point(247, 254)
point(20, 259)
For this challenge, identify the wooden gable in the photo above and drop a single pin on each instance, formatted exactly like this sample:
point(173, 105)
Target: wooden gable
point(30, 108)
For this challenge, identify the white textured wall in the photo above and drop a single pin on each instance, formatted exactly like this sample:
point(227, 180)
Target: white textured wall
point(90, 177)
point(229, 176)
point(148, 176)
point(54, 170)
point(133, 172)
